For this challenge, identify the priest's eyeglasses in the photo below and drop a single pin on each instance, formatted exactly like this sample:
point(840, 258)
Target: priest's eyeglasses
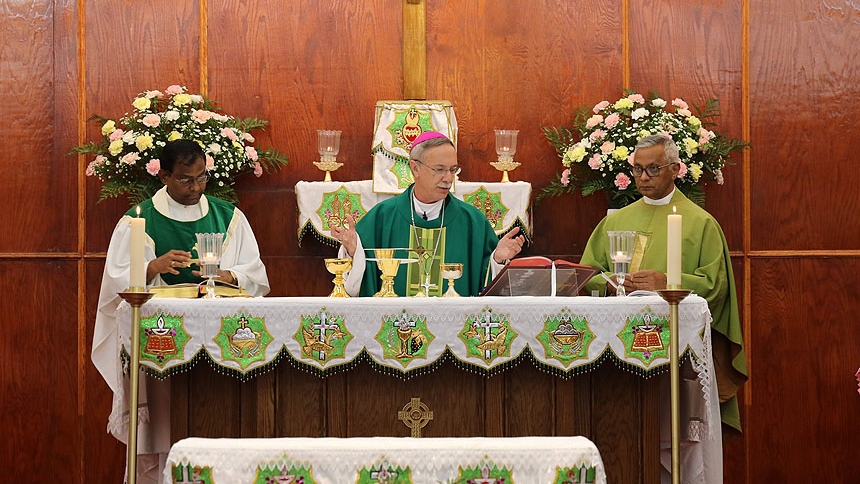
point(651, 170)
point(186, 182)
point(454, 170)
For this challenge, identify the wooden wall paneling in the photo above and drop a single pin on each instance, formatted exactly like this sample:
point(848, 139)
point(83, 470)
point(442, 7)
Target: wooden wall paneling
point(309, 65)
point(44, 218)
point(803, 73)
point(693, 51)
point(39, 371)
point(804, 392)
point(520, 65)
point(103, 455)
point(132, 47)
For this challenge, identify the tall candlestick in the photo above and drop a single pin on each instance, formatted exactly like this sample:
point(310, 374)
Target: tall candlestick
point(137, 263)
point(673, 251)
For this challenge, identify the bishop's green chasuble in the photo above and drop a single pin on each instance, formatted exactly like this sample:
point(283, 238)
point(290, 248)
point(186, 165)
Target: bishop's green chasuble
point(466, 237)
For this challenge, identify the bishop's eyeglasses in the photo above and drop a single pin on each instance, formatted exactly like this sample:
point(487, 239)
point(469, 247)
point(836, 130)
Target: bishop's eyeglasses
point(454, 170)
point(651, 170)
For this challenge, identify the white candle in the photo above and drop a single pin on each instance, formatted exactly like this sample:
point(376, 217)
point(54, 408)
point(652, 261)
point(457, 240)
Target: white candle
point(673, 251)
point(137, 264)
point(209, 258)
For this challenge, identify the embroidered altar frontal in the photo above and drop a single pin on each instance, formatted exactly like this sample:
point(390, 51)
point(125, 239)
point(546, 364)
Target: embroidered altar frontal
point(243, 336)
point(527, 460)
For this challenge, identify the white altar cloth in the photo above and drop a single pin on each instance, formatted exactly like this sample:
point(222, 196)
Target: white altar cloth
point(515, 198)
point(425, 460)
point(324, 335)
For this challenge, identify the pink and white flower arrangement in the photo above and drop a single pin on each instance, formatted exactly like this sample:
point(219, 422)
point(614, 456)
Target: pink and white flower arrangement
point(597, 154)
point(127, 157)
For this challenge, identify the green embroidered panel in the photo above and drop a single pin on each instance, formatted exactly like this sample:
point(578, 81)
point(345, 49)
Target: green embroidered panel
point(243, 339)
point(162, 338)
point(565, 337)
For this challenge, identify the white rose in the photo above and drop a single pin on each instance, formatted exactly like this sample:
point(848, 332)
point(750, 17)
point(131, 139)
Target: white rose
point(639, 113)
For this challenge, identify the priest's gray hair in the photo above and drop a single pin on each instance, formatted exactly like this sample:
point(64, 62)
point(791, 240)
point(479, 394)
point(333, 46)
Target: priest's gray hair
point(417, 152)
point(670, 149)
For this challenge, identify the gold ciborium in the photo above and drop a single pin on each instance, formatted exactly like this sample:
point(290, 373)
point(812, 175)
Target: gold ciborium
point(388, 265)
point(451, 272)
point(338, 267)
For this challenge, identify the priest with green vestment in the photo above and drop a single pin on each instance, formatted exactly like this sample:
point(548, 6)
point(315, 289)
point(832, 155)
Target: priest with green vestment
point(705, 266)
point(428, 227)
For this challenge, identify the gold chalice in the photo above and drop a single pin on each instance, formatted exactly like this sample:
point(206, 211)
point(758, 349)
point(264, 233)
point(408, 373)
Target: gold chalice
point(388, 265)
point(338, 267)
point(451, 272)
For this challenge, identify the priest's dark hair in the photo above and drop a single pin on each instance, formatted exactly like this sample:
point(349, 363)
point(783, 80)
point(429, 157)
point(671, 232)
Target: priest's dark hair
point(182, 151)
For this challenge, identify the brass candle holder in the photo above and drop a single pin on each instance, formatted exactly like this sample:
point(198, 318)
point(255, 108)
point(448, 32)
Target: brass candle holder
point(674, 295)
point(338, 267)
point(135, 297)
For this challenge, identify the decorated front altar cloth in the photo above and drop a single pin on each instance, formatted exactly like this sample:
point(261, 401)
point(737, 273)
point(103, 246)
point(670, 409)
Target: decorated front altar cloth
point(410, 336)
point(392, 460)
point(321, 204)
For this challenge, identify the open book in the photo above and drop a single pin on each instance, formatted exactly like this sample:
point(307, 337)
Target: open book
point(191, 290)
point(539, 276)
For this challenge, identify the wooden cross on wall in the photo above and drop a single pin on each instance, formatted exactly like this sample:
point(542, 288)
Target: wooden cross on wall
point(414, 49)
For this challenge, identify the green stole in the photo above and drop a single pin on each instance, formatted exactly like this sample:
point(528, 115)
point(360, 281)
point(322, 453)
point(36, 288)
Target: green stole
point(389, 225)
point(168, 234)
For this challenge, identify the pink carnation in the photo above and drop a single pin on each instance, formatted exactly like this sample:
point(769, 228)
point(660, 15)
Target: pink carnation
point(637, 98)
point(247, 137)
point(258, 168)
point(151, 120)
point(600, 106)
point(210, 162)
point(251, 152)
point(153, 166)
point(130, 158)
point(632, 158)
point(117, 134)
point(565, 177)
point(607, 147)
point(683, 171)
point(597, 134)
point(594, 162)
point(622, 181)
point(174, 90)
point(201, 116)
point(229, 133)
point(91, 168)
point(612, 120)
point(679, 103)
point(593, 121)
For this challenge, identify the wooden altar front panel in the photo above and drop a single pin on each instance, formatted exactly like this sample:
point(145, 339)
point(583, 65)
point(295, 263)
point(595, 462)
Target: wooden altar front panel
point(616, 409)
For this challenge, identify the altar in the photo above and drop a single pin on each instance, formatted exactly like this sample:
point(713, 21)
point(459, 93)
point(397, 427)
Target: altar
point(431, 367)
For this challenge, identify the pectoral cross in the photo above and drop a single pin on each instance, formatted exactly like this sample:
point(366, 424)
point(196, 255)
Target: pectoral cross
point(427, 284)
